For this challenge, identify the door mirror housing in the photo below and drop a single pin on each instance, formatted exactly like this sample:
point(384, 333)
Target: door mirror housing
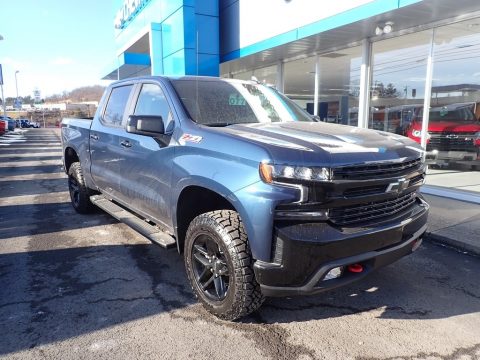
point(145, 125)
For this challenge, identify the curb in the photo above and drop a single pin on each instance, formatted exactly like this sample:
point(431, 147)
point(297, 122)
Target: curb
point(453, 194)
point(456, 244)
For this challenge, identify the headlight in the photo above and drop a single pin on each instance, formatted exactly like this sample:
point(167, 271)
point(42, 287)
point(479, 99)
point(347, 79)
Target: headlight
point(418, 134)
point(477, 139)
point(276, 173)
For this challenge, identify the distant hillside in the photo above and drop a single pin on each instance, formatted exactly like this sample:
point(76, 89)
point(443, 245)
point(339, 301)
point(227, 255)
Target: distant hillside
point(81, 94)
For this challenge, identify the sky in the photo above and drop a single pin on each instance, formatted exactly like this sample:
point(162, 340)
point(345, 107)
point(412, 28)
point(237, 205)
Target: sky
point(56, 45)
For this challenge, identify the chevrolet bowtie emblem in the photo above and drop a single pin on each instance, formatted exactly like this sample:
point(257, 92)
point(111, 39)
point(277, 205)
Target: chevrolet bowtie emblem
point(398, 186)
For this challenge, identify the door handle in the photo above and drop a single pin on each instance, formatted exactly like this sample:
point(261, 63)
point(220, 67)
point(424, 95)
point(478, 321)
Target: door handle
point(94, 137)
point(126, 143)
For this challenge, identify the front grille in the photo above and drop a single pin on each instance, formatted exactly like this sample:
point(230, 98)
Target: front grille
point(451, 141)
point(364, 191)
point(376, 170)
point(371, 211)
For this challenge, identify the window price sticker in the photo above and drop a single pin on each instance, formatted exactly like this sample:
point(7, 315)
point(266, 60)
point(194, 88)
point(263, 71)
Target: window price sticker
point(236, 100)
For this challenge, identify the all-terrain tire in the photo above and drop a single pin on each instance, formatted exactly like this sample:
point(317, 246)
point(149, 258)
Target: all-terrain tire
point(222, 232)
point(79, 192)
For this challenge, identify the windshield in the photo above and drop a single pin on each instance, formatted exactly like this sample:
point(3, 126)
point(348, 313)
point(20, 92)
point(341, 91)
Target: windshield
point(221, 103)
point(459, 114)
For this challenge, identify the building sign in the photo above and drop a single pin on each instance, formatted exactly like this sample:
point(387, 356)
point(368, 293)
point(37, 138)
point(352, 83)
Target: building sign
point(129, 10)
point(36, 95)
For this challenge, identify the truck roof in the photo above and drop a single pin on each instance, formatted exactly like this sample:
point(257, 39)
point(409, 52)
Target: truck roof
point(185, 77)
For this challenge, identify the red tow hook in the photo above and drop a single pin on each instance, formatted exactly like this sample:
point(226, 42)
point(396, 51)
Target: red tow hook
point(355, 268)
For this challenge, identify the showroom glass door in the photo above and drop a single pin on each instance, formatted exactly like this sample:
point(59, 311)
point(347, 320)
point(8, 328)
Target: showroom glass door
point(338, 75)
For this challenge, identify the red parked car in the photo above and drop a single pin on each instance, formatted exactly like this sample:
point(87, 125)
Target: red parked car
point(453, 134)
point(3, 127)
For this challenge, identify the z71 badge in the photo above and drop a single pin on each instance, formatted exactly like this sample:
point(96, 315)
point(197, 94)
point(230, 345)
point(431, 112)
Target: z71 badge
point(190, 138)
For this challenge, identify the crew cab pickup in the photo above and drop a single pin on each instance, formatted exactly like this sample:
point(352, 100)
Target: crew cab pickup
point(260, 198)
point(453, 134)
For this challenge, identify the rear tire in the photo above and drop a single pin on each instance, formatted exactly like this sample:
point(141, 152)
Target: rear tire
point(219, 265)
point(79, 192)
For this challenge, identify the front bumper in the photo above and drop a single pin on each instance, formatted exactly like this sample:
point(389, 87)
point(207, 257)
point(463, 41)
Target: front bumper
point(439, 157)
point(304, 253)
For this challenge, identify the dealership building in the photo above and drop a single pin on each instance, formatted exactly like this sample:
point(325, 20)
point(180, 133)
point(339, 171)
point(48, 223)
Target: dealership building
point(366, 63)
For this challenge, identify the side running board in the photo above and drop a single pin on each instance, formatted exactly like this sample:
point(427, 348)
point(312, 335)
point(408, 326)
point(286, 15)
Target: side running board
point(149, 231)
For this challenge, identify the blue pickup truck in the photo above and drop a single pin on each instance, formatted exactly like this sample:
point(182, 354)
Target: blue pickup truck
point(260, 198)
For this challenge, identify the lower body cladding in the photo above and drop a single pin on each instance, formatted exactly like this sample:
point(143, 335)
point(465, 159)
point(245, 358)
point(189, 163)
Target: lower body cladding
point(309, 258)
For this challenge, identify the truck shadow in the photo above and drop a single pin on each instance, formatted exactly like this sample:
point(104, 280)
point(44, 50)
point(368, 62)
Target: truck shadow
point(14, 151)
point(37, 219)
point(34, 187)
point(27, 170)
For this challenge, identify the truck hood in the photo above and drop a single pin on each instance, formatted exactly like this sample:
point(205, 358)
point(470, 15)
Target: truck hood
point(450, 126)
point(322, 144)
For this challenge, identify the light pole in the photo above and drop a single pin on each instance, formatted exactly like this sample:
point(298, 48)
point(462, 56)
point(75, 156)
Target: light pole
point(16, 86)
point(1, 86)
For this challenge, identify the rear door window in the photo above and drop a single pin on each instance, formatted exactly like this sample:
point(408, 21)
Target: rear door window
point(115, 108)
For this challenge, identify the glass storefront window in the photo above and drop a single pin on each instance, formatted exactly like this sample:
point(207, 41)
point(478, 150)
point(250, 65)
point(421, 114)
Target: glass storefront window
point(398, 81)
point(339, 86)
point(266, 75)
point(339, 82)
point(299, 80)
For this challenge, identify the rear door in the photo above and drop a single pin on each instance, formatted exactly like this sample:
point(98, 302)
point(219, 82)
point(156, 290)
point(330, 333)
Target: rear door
point(146, 165)
point(106, 151)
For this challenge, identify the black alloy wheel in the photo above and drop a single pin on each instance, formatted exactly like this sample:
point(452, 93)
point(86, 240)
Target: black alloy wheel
point(74, 189)
point(210, 268)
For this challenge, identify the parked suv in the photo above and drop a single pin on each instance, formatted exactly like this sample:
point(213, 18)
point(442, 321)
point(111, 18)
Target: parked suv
point(3, 126)
point(453, 134)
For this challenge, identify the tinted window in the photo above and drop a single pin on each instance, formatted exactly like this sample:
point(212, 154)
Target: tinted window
point(116, 105)
point(221, 103)
point(152, 101)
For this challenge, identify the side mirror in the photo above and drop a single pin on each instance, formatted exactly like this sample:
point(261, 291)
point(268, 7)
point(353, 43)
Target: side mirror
point(316, 118)
point(145, 125)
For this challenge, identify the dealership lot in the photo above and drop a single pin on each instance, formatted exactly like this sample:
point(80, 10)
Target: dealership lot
point(76, 286)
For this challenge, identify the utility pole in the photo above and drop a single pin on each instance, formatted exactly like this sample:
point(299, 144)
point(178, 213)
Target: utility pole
point(1, 86)
point(16, 88)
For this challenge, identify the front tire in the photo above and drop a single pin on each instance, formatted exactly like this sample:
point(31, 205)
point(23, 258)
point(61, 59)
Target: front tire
point(79, 192)
point(219, 265)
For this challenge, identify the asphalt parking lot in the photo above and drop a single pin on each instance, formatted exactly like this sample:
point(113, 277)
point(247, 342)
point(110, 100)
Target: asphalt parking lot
point(87, 287)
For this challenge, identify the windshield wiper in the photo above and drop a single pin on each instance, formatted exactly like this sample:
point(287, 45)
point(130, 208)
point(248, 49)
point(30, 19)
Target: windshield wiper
point(218, 124)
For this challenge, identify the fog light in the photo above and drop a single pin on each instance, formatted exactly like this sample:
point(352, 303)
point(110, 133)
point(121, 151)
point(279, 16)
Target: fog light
point(334, 273)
